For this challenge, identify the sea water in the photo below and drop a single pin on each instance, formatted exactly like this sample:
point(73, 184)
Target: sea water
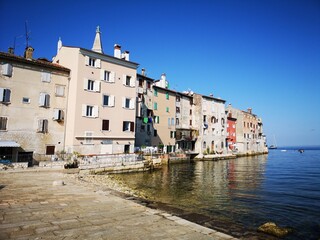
point(237, 196)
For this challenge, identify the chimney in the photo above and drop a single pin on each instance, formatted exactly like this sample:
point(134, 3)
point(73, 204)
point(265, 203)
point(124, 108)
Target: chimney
point(126, 55)
point(59, 45)
point(28, 52)
point(250, 110)
point(11, 50)
point(163, 76)
point(117, 51)
point(143, 72)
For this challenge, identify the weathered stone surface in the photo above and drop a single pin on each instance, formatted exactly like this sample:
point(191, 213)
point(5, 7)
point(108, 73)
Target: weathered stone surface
point(272, 229)
point(33, 208)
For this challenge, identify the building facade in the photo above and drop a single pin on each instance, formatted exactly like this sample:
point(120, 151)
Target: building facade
point(102, 99)
point(33, 107)
point(210, 119)
point(144, 112)
point(231, 132)
point(164, 110)
point(249, 131)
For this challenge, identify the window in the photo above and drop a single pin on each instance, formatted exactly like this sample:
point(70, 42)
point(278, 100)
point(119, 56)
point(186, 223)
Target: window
point(5, 95)
point(142, 128)
point(108, 101)
point(90, 111)
point(169, 122)
point(25, 100)
point(128, 126)
point(140, 83)
point(44, 100)
point(148, 85)
point(7, 70)
point(155, 106)
point(128, 103)
point(177, 109)
point(204, 145)
point(190, 111)
point(172, 134)
point(50, 150)
point(244, 135)
point(156, 119)
point(43, 126)
point(167, 95)
point(167, 109)
point(88, 137)
point(155, 92)
point(172, 121)
point(59, 91)
point(92, 62)
point(155, 133)
point(177, 99)
point(91, 85)
point(107, 76)
point(3, 123)
point(58, 115)
point(190, 122)
point(105, 125)
point(177, 121)
point(128, 81)
point(46, 77)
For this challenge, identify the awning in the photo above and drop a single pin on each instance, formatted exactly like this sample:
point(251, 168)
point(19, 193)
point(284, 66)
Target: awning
point(9, 144)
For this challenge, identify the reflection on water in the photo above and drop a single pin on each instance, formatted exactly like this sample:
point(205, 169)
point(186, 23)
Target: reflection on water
point(241, 193)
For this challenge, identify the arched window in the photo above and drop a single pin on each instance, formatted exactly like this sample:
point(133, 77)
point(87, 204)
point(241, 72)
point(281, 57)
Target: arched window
point(213, 120)
point(222, 121)
point(204, 145)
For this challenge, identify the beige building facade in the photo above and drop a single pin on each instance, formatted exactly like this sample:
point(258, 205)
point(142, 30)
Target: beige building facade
point(33, 107)
point(102, 99)
point(164, 110)
point(210, 119)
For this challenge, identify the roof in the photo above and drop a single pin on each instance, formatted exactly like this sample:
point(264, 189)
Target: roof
point(9, 144)
point(36, 62)
point(104, 55)
point(145, 77)
point(216, 99)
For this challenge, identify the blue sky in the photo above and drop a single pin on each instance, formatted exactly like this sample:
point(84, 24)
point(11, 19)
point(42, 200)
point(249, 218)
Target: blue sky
point(260, 54)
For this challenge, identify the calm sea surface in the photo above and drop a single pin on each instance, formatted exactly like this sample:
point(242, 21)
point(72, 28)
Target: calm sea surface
point(237, 196)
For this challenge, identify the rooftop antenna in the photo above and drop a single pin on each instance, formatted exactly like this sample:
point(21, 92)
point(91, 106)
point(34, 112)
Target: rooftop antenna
point(27, 34)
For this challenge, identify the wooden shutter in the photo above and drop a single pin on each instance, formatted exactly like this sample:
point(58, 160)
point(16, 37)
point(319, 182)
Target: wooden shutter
point(102, 74)
point(84, 110)
point(86, 60)
point(124, 78)
point(7, 70)
point(97, 86)
point(96, 111)
point(123, 126)
point(132, 126)
point(111, 101)
point(42, 99)
point(97, 63)
point(112, 76)
point(132, 81)
point(131, 103)
point(85, 84)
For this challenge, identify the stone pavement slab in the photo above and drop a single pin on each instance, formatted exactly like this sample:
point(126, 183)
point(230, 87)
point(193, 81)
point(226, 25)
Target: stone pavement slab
point(32, 206)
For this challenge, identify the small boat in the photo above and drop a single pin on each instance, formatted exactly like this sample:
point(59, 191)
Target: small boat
point(274, 145)
point(301, 150)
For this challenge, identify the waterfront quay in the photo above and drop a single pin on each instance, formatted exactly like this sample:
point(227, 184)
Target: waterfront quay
point(48, 204)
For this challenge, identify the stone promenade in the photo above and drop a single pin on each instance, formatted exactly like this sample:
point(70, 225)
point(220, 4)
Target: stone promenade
point(32, 207)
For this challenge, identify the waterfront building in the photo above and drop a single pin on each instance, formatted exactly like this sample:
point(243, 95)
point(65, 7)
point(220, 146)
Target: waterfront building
point(33, 107)
point(249, 131)
point(144, 111)
point(210, 119)
point(231, 132)
point(164, 110)
point(186, 133)
point(102, 99)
